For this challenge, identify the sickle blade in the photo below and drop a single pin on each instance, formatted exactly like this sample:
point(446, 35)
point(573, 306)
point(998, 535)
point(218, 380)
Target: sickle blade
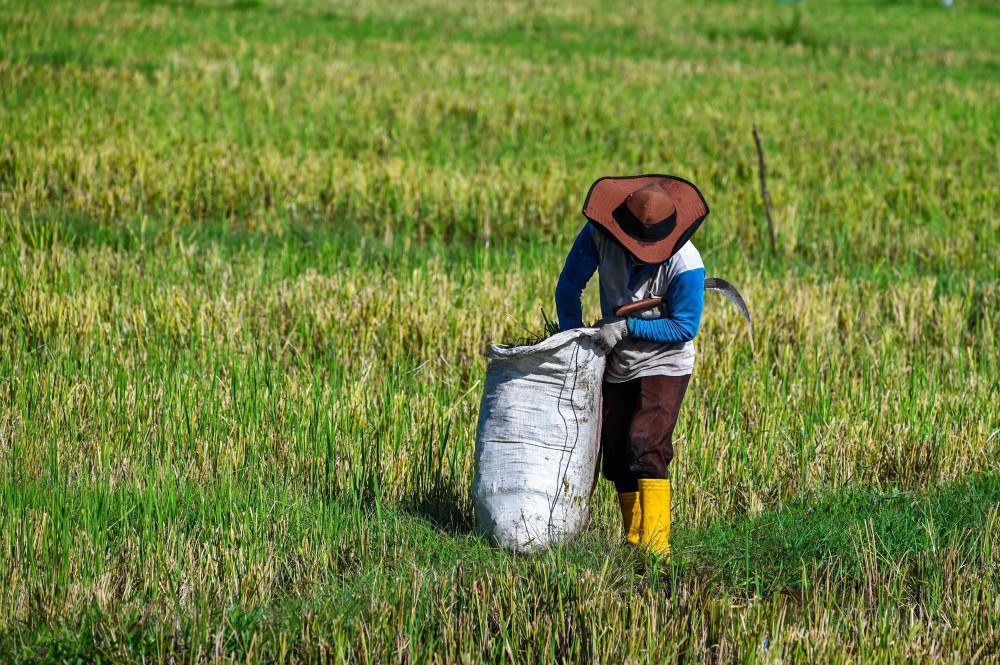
point(730, 291)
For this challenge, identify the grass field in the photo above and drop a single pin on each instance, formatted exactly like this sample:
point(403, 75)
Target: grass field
point(251, 254)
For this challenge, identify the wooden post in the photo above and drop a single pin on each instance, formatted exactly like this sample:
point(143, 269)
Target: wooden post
point(763, 192)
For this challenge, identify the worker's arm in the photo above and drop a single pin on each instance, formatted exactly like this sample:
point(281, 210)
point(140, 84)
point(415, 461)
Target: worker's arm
point(684, 302)
point(579, 268)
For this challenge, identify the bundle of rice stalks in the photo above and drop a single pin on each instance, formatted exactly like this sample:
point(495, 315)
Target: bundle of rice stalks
point(549, 328)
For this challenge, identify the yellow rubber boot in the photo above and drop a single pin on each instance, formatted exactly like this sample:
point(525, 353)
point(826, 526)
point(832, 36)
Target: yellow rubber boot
point(631, 515)
point(654, 506)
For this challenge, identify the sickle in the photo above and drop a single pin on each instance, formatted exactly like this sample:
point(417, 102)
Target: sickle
point(711, 284)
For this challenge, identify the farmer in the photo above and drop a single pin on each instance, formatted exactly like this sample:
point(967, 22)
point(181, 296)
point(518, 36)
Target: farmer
point(637, 238)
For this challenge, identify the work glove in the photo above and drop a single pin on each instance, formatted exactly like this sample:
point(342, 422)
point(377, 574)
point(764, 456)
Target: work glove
point(609, 334)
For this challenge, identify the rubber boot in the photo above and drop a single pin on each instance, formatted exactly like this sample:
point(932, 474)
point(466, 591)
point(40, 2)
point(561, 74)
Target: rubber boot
point(631, 515)
point(654, 506)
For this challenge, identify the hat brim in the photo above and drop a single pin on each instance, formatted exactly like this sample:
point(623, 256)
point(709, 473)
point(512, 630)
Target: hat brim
point(610, 192)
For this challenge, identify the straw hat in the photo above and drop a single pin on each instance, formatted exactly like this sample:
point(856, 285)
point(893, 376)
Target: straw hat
point(651, 216)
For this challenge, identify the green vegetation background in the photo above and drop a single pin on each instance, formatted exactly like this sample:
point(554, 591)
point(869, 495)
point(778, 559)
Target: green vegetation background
point(251, 253)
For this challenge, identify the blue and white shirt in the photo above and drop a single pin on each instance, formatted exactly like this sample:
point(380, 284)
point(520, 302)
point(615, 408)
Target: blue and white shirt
point(660, 340)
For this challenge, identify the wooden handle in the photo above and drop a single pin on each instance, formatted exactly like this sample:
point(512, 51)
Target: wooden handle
point(638, 306)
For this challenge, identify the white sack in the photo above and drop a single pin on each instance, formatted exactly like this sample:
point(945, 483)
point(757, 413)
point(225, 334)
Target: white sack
point(537, 440)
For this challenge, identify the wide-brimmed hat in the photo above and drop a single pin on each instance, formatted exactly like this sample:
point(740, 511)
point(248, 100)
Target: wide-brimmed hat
point(651, 216)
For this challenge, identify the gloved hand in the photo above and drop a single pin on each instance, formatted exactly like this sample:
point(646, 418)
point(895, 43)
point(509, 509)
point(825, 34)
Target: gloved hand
point(610, 334)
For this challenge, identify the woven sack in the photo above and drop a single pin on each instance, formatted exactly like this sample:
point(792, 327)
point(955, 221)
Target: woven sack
point(537, 440)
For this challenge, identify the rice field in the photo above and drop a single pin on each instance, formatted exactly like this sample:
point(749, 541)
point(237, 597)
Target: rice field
point(252, 252)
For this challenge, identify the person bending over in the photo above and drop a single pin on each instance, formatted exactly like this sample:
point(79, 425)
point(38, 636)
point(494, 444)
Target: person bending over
point(637, 238)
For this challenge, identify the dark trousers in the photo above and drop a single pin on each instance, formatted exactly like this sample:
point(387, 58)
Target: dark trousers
point(638, 419)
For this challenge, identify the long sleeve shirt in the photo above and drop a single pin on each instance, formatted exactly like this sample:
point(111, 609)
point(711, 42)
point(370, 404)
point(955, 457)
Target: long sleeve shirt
point(660, 341)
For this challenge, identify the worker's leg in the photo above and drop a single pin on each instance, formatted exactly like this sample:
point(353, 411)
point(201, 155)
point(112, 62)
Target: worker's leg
point(617, 408)
point(650, 437)
point(618, 405)
point(651, 451)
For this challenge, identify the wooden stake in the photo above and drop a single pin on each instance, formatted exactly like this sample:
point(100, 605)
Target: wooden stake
point(763, 192)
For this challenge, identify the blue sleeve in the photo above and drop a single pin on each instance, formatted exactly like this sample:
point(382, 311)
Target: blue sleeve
point(579, 268)
point(684, 302)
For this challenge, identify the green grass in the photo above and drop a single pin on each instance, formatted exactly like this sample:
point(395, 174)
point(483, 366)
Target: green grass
point(251, 254)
